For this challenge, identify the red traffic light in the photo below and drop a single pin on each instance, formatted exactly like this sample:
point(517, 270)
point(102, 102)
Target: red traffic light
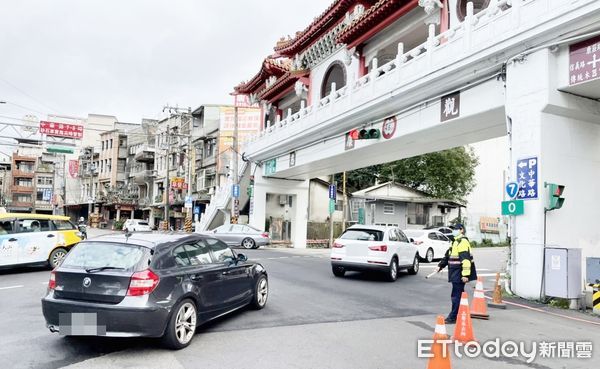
point(558, 190)
point(354, 134)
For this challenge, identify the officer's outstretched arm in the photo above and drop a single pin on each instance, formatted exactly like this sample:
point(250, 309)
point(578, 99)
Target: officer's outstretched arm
point(444, 262)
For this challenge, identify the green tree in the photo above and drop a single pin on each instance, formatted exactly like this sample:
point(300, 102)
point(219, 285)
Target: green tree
point(448, 174)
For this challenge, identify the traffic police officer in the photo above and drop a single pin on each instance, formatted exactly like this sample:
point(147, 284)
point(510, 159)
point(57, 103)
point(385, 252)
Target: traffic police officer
point(461, 269)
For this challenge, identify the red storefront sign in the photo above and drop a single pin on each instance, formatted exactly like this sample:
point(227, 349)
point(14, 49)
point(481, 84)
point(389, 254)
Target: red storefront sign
point(73, 168)
point(178, 183)
point(584, 61)
point(61, 129)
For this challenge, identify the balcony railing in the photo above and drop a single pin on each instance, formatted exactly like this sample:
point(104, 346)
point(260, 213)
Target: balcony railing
point(467, 42)
point(145, 154)
point(22, 174)
point(45, 168)
point(143, 176)
point(21, 189)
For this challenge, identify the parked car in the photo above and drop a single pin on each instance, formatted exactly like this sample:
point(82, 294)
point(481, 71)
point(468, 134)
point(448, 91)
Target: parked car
point(241, 235)
point(446, 231)
point(378, 248)
point(160, 286)
point(136, 225)
point(430, 243)
point(31, 239)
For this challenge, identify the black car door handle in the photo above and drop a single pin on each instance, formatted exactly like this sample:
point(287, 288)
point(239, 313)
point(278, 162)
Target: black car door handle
point(12, 239)
point(196, 277)
point(50, 236)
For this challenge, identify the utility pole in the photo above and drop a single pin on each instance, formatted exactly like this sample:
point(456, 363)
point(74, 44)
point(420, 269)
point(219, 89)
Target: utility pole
point(344, 203)
point(332, 183)
point(235, 201)
point(168, 139)
point(91, 192)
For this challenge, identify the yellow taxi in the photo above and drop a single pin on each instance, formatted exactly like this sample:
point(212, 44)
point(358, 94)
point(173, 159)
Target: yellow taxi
point(35, 239)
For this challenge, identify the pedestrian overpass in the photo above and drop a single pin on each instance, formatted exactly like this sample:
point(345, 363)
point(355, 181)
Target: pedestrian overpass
point(507, 70)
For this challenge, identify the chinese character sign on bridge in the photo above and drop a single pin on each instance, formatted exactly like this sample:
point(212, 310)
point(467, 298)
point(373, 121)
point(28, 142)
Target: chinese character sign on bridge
point(527, 178)
point(61, 129)
point(584, 61)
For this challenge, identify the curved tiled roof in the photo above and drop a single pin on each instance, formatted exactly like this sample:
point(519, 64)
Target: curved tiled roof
point(270, 67)
point(373, 16)
point(319, 25)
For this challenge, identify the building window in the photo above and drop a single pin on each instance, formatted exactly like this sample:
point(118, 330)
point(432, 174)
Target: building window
point(388, 208)
point(109, 164)
point(336, 73)
point(417, 214)
point(111, 140)
point(102, 145)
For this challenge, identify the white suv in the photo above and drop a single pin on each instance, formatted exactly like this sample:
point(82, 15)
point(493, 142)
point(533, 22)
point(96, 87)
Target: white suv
point(379, 248)
point(136, 225)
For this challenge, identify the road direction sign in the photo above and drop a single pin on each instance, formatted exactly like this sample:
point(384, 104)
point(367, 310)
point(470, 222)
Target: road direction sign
point(513, 207)
point(236, 190)
point(527, 177)
point(331, 206)
point(332, 192)
point(196, 210)
point(188, 202)
point(512, 189)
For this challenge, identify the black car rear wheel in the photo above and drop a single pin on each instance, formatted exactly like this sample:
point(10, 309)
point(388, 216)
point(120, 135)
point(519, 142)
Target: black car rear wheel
point(182, 325)
point(261, 293)
point(248, 243)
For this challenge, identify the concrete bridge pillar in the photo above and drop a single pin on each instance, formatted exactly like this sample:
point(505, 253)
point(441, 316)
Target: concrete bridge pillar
point(561, 132)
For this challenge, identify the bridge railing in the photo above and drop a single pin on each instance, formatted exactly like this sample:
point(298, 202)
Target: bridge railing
point(405, 68)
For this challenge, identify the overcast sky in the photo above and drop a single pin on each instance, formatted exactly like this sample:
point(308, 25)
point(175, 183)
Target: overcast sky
point(128, 58)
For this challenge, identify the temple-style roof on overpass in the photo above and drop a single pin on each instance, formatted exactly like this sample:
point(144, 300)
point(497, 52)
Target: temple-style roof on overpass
point(374, 19)
point(318, 27)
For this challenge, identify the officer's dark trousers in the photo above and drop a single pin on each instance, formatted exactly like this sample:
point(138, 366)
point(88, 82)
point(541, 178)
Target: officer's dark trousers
point(457, 290)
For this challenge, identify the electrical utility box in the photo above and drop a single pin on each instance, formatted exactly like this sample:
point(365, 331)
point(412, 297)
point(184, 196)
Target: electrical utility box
point(592, 270)
point(563, 272)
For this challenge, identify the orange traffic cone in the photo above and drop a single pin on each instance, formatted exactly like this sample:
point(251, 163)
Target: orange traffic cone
point(479, 305)
point(464, 327)
point(441, 357)
point(497, 300)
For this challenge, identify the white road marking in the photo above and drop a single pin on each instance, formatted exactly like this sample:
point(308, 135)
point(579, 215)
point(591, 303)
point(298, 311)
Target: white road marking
point(488, 274)
point(9, 287)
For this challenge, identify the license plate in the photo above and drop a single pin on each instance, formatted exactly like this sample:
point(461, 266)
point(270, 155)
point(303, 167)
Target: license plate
point(80, 324)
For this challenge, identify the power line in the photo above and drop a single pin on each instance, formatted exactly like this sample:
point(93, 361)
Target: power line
point(28, 95)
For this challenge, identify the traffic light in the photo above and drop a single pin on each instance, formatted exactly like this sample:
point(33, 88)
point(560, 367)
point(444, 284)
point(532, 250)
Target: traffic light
point(365, 134)
point(555, 201)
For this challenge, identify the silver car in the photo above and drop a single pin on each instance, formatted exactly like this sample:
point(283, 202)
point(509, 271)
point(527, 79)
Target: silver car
point(241, 235)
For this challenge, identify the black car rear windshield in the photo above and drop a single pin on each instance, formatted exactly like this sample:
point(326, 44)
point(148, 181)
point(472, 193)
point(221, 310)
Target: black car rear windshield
point(362, 235)
point(90, 255)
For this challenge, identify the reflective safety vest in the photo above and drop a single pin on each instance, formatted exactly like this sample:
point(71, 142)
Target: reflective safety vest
point(458, 258)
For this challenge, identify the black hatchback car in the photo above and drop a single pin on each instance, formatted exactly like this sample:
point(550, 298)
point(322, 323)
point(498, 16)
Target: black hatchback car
point(153, 285)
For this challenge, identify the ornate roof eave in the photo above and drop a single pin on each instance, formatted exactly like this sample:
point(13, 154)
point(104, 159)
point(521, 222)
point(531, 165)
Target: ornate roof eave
point(319, 26)
point(374, 19)
point(269, 67)
point(282, 86)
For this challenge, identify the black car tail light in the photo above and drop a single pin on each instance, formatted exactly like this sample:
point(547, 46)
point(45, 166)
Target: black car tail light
point(52, 281)
point(142, 283)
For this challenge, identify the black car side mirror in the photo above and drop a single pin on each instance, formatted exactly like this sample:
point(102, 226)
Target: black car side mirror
point(241, 257)
point(412, 240)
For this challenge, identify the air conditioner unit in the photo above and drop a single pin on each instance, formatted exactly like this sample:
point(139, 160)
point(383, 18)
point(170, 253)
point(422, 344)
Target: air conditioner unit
point(283, 199)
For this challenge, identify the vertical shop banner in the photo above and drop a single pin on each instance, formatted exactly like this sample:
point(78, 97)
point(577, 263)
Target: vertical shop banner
point(73, 168)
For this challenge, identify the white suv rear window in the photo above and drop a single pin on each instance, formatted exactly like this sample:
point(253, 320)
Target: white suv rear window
point(362, 235)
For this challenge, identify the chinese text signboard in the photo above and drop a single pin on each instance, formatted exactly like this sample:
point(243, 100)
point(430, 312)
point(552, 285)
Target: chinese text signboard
point(584, 61)
point(527, 178)
point(73, 168)
point(450, 106)
point(178, 183)
point(270, 167)
point(61, 129)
